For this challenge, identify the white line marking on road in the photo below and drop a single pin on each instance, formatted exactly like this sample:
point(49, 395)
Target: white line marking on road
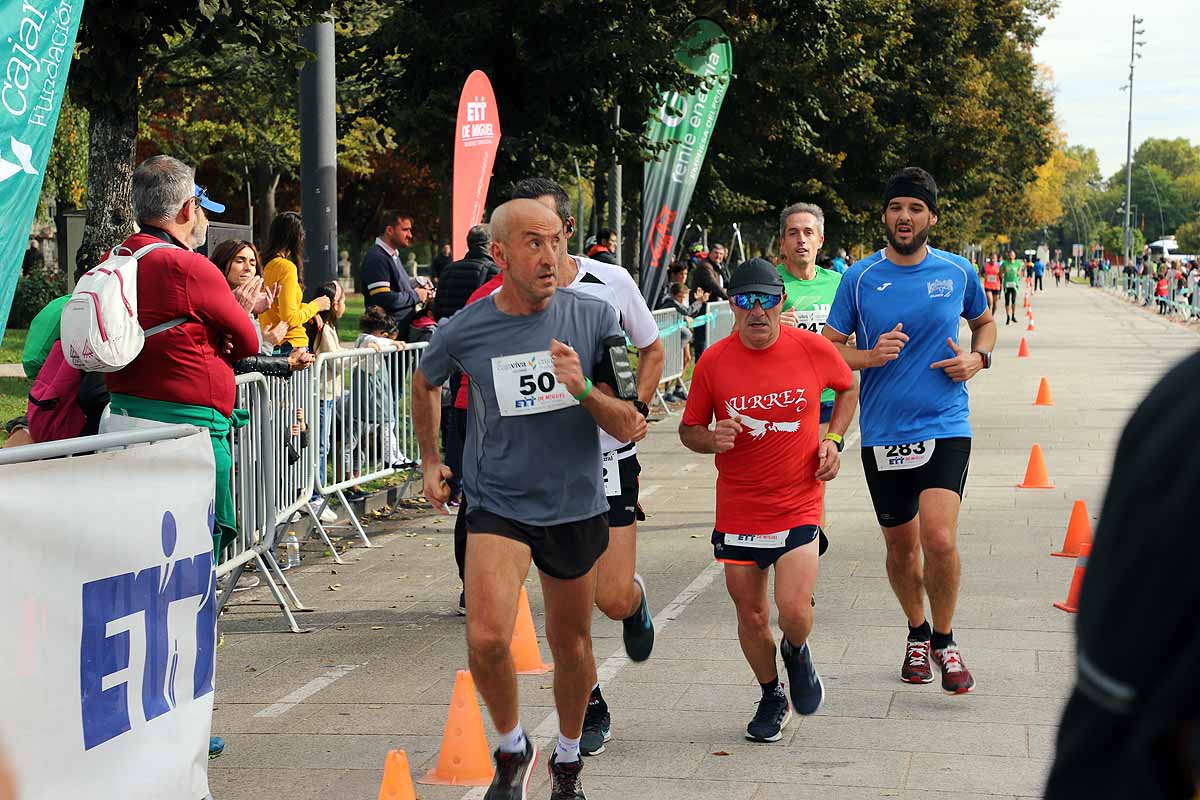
point(685, 469)
point(290, 701)
point(605, 672)
point(649, 490)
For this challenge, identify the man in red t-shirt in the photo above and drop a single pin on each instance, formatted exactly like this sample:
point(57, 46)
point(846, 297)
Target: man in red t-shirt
point(763, 386)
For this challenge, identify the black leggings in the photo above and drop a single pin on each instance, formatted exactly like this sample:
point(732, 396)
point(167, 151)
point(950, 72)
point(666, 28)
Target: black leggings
point(1037, 282)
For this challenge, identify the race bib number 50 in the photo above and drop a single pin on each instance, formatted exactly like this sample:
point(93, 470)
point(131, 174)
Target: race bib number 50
point(525, 384)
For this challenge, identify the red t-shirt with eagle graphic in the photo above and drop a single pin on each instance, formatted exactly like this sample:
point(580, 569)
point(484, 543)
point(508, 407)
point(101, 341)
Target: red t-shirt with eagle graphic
point(766, 483)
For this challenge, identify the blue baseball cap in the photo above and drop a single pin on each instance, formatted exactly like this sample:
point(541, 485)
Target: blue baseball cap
point(206, 202)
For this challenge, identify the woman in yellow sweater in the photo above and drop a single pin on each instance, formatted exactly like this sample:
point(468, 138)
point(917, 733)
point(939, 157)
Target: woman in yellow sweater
point(285, 249)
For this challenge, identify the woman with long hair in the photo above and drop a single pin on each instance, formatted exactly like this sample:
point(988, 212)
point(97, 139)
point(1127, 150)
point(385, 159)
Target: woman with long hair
point(285, 250)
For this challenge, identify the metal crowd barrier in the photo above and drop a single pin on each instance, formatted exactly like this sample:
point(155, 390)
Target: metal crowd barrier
point(101, 442)
point(1183, 302)
point(263, 480)
point(671, 324)
point(363, 427)
point(722, 320)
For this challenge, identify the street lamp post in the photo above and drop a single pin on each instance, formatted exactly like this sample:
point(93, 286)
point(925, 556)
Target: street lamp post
point(1134, 44)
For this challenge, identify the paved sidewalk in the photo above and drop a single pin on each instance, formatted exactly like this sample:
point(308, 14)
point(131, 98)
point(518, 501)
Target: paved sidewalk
point(312, 716)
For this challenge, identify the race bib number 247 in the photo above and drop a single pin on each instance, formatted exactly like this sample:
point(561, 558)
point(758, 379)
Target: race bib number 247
point(526, 384)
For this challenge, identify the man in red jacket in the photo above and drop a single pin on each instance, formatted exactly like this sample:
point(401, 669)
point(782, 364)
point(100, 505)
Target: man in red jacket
point(185, 373)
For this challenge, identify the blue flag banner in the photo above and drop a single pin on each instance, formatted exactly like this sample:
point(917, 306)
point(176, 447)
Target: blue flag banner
point(37, 43)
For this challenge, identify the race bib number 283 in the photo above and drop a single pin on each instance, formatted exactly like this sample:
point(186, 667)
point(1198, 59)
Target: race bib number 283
point(526, 384)
point(904, 456)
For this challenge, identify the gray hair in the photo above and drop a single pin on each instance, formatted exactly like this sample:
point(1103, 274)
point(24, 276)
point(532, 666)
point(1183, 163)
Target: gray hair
point(161, 185)
point(479, 236)
point(802, 208)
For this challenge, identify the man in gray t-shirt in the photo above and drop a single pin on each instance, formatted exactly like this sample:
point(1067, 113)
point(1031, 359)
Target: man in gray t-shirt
point(532, 475)
point(509, 465)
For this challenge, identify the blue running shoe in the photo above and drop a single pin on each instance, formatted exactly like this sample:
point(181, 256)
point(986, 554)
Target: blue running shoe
point(808, 693)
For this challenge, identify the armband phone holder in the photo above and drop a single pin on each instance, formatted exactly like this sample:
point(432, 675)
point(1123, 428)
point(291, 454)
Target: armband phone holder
point(615, 370)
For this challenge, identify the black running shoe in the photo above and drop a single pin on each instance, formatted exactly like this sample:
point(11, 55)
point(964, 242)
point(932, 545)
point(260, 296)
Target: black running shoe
point(638, 630)
point(513, 771)
point(808, 693)
point(597, 725)
point(564, 780)
point(772, 717)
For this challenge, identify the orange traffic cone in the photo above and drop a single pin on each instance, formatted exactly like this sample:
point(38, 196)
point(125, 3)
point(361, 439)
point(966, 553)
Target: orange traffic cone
point(397, 782)
point(1071, 606)
point(527, 659)
point(1035, 473)
point(1079, 532)
point(1023, 350)
point(1043, 395)
point(464, 759)
point(1030, 326)
point(1027, 301)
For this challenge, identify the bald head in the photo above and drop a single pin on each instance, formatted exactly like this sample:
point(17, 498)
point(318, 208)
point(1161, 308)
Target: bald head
point(526, 239)
point(518, 218)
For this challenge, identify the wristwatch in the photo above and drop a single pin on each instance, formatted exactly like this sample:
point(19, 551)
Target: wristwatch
point(836, 439)
point(987, 358)
point(642, 408)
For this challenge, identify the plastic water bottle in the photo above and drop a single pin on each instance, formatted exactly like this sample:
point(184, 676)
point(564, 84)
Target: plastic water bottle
point(293, 550)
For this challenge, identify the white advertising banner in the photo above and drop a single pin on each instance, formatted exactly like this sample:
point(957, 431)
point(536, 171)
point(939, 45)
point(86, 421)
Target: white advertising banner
point(108, 627)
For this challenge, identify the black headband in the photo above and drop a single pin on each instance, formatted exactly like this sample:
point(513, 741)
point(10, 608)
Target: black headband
point(906, 187)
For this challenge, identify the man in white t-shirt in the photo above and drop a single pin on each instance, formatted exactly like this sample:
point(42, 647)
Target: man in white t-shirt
point(620, 592)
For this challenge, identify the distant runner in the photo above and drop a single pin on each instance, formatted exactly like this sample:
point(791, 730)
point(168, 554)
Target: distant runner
point(991, 282)
point(1011, 270)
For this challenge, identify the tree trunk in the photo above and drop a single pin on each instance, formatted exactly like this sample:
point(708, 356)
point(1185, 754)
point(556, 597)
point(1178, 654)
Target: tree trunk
point(631, 236)
point(600, 192)
point(266, 181)
point(112, 132)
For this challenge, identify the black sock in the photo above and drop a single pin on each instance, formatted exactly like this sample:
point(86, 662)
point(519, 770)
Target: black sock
point(921, 633)
point(597, 697)
point(940, 641)
point(770, 686)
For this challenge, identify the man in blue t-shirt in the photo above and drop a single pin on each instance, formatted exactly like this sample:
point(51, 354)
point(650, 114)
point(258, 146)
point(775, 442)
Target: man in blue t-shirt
point(903, 303)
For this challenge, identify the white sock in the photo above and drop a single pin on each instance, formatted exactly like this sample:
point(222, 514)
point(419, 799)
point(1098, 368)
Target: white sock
point(567, 750)
point(514, 740)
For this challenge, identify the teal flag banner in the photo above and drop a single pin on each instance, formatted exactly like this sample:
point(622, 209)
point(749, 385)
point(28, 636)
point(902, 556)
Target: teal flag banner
point(37, 43)
point(685, 123)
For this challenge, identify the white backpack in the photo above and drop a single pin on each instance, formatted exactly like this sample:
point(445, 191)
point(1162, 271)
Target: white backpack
point(99, 328)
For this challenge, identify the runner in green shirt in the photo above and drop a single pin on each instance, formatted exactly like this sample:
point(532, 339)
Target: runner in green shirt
point(809, 288)
point(1011, 272)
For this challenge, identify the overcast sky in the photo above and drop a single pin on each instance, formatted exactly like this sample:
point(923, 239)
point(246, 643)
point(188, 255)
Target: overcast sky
point(1087, 47)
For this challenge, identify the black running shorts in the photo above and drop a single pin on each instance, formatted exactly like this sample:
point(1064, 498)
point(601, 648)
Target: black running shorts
point(896, 493)
point(566, 551)
point(1010, 295)
point(742, 550)
point(623, 508)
